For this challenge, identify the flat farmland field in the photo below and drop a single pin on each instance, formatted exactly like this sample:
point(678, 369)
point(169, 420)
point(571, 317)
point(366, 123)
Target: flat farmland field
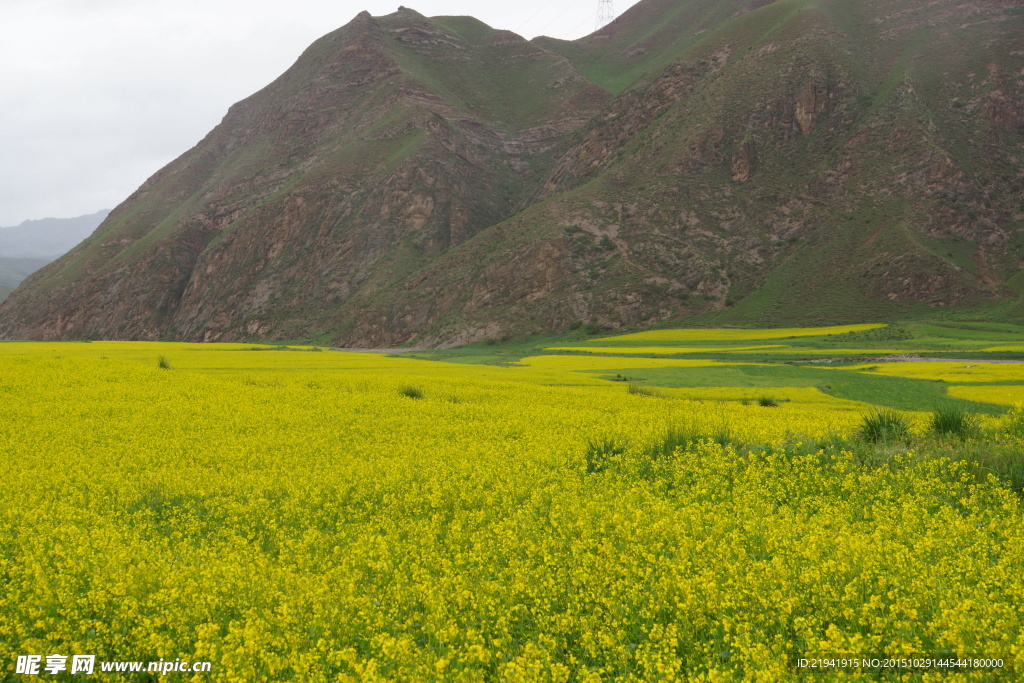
point(516, 513)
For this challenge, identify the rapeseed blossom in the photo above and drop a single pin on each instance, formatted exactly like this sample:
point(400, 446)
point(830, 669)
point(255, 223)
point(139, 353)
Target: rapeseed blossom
point(290, 515)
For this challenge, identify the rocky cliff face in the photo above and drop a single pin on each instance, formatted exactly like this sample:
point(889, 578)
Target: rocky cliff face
point(440, 181)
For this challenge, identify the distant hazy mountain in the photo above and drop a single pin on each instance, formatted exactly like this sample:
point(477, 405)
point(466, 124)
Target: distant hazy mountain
point(26, 248)
point(48, 238)
point(14, 270)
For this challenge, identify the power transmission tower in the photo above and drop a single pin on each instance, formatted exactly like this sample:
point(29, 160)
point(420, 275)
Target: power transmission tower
point(605, 13)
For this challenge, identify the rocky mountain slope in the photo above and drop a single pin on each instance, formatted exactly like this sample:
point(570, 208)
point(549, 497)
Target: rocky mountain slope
point(440, 181)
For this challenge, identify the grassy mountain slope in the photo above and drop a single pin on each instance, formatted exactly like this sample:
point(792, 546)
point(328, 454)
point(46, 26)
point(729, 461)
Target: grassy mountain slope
point(389, 141)
point(772, 174)
point(646, 38)
point(439, 181)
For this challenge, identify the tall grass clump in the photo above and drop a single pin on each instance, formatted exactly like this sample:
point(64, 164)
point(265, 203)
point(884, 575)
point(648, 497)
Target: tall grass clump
point(599, 454)
point(1007, 465)
point(723, 435)
point(685, 437)
point(883, 426)
point(163, 363)
point(1002, 458)
point(640, 390)
point(411, 391)
point(951, 421)
point(682, 437)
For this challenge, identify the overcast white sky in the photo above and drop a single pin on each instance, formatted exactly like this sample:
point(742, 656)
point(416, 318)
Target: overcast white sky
point(97, 95)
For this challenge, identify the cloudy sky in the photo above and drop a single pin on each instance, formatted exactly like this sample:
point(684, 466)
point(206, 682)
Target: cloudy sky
point(97, 95)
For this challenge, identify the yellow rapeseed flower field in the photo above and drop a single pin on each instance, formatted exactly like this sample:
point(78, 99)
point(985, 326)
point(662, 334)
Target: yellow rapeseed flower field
point(662, 350)
point(692, 335)
point(972, 372)
point(1006, 395)
point(305, 515)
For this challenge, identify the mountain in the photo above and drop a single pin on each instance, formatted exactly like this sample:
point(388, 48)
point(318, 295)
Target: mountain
point(31, 245)
point(47, 238)
point(437, 180)
point(14, 270)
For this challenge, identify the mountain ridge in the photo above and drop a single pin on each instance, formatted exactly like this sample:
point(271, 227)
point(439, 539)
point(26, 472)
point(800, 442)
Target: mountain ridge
point(440, 181)
point(48, 237)
point(30, 245)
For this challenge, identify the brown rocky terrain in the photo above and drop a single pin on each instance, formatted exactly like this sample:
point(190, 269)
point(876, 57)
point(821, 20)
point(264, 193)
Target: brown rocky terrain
point(439, 181)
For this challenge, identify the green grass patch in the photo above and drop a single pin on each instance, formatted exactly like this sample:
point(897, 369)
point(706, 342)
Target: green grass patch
point(888, 391)
point(641, 390)
point(411, 392)
point(600, 454)
point(680, 438)
point(884, 426)
point(953, 421)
